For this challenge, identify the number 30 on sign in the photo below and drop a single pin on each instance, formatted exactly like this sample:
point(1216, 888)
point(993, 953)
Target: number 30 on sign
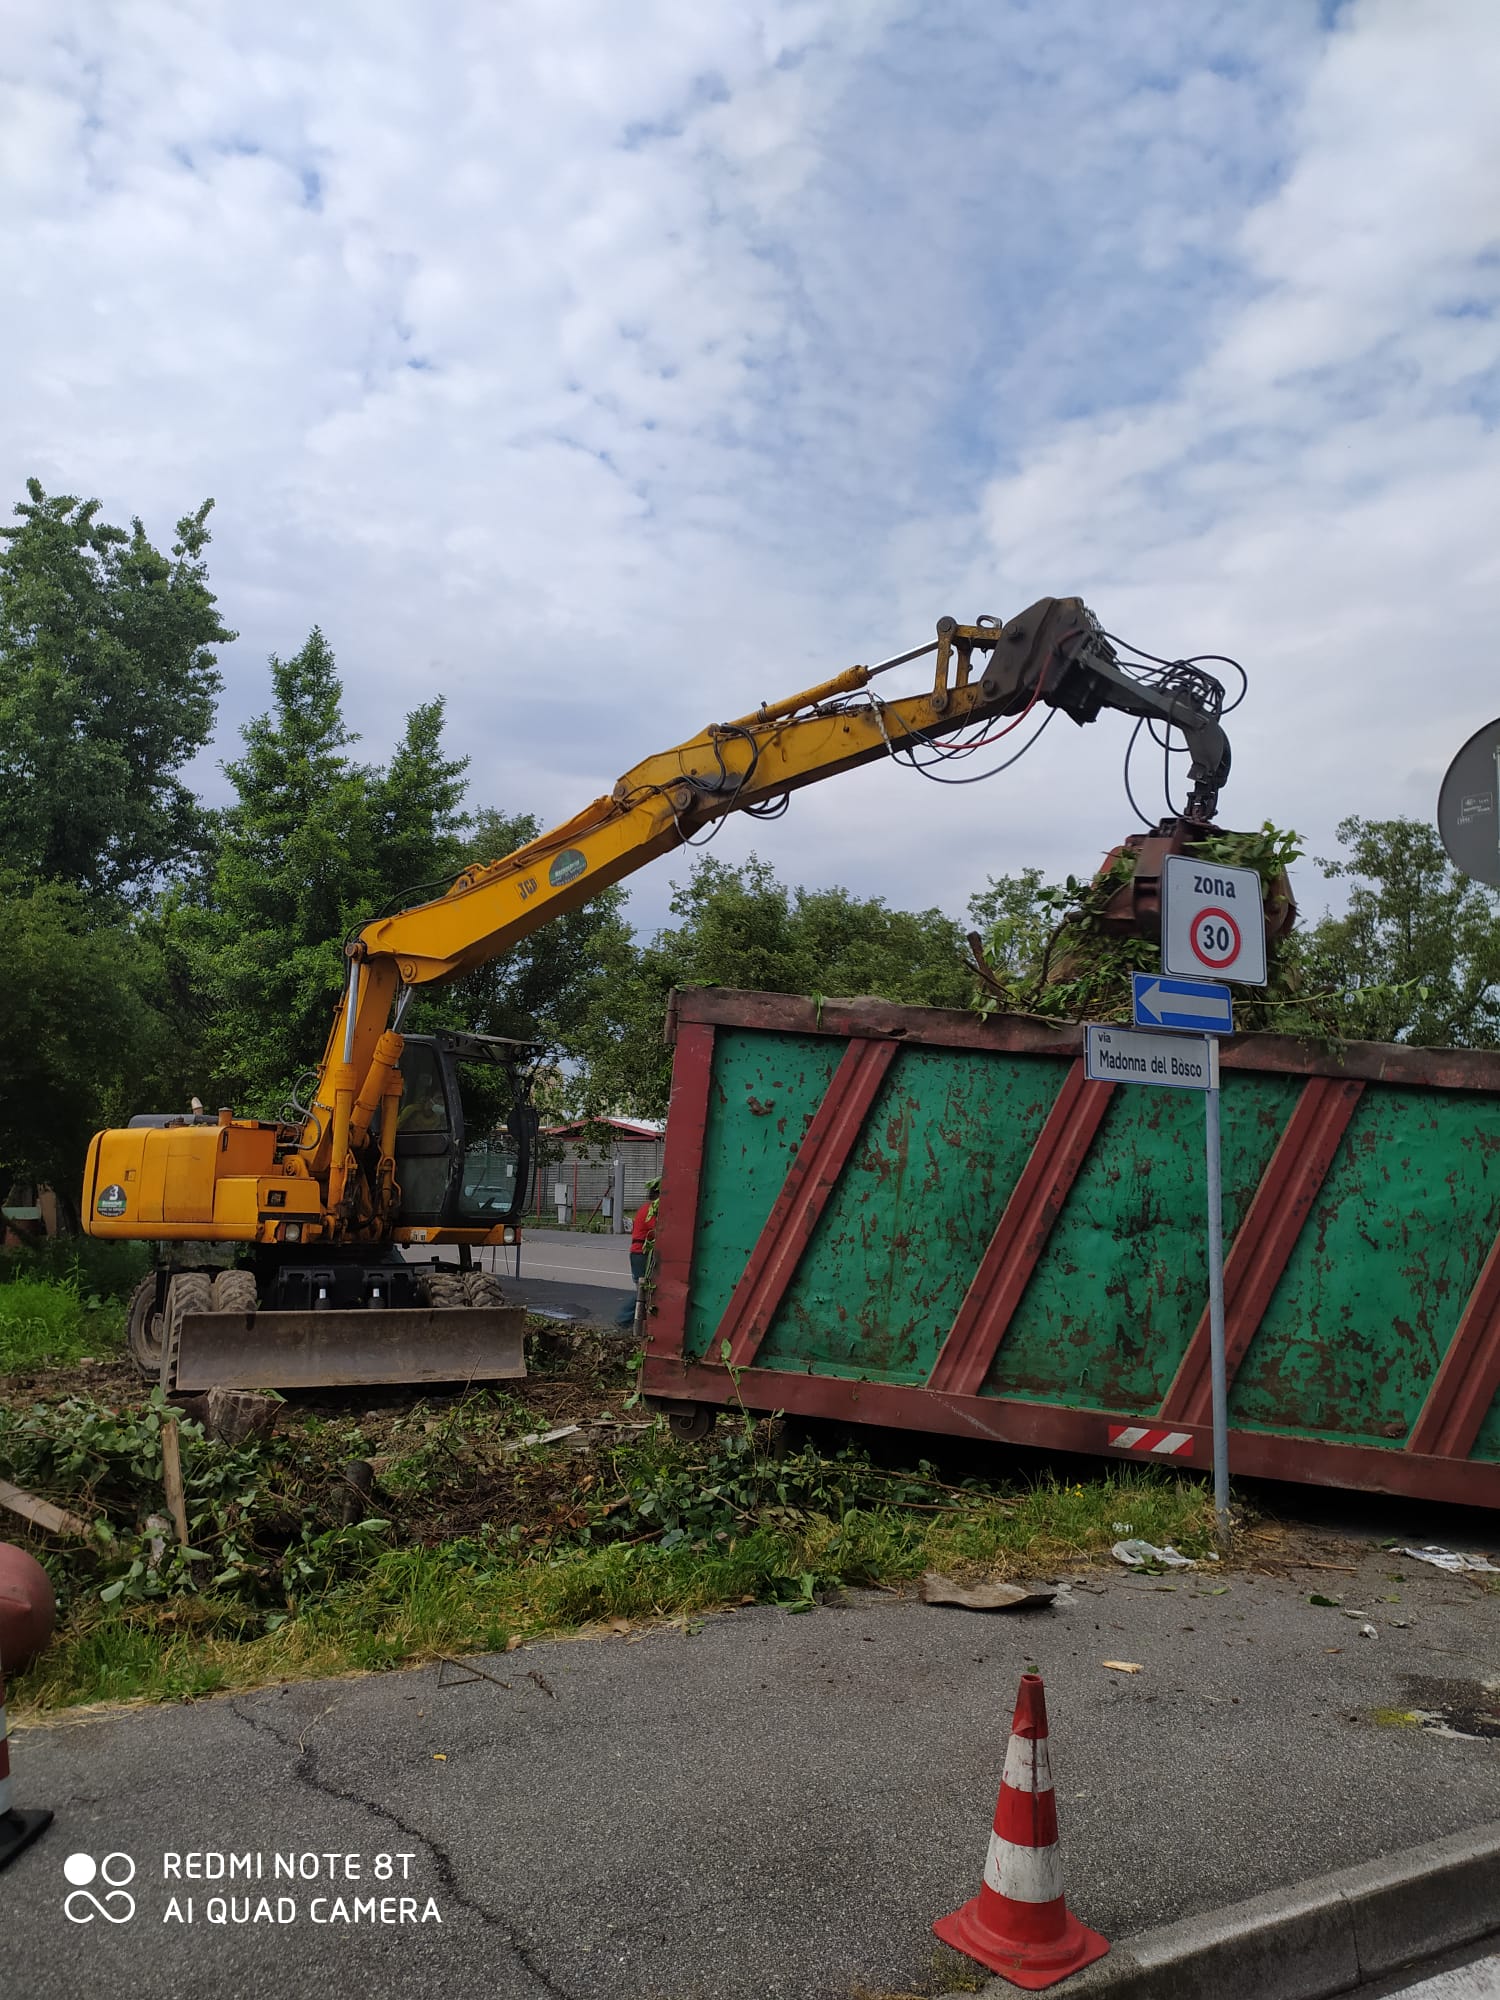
point(1212, 922)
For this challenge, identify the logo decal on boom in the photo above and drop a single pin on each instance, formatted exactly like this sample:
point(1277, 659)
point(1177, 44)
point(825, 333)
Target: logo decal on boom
point(567, 867)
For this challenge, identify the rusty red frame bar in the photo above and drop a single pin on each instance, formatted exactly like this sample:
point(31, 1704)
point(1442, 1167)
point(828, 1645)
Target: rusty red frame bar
point(687, 1130)
point(947, 1027)
point(1020, 1236)
point(1050, 1427)
point(1466, 1383)
point(1266, 1239)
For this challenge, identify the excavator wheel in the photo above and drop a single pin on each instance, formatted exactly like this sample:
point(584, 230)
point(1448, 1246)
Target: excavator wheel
point(189, 1292)
point(143, 1329)
point(444, 1288)
point(482, 1290)
point(234, 1292)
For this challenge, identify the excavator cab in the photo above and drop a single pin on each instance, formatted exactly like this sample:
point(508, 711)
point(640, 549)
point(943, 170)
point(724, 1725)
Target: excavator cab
point(464, 1136)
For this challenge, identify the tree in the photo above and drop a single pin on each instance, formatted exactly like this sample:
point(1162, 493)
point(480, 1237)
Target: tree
point(1416, 955)
point(315, 844)
point(1015, 914)
point(107, 685)
point(80, 1027)
point(416, 808)
point(741, 926)
point(292, 870)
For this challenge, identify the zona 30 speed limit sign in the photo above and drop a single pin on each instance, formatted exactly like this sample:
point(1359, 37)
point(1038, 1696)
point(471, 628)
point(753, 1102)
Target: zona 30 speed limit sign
point(1213, 925)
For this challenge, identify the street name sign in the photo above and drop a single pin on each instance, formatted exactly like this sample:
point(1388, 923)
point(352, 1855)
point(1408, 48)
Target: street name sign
point(1213, 921)
point(1182, 1003)
point(1173, 1062)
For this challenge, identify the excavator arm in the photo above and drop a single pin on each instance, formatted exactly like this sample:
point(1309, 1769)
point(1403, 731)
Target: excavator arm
point(1054, 654)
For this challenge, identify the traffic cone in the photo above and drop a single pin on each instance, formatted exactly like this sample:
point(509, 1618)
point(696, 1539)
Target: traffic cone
point(17, 1829)
point(1019, 1924)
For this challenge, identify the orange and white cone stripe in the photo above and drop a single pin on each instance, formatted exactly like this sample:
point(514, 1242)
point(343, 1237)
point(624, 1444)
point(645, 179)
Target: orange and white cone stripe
point(1019, 1924)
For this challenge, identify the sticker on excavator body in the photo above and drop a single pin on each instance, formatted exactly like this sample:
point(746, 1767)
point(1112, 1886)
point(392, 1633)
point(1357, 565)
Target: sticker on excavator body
point(567, 867)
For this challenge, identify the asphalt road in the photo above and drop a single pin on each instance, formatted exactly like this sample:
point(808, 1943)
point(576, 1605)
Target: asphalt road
point(570, 1274)
point(572, 1256)
point(770, 1807)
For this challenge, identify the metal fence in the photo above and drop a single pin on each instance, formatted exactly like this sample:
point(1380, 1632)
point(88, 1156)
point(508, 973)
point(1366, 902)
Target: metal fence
point(582, 1188)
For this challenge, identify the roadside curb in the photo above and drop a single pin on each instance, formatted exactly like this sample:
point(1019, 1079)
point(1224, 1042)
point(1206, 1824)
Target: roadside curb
point(1312, 1940)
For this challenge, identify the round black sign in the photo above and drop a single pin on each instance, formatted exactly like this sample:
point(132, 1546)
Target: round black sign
point(112, 1201)
point(1469, 807)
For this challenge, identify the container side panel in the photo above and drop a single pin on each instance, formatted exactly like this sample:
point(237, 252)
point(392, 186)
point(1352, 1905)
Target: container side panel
point(1373, 1291)
point(1112, 1305)
point(765, 1090)
point(897, 1246)
point(1487, 1444)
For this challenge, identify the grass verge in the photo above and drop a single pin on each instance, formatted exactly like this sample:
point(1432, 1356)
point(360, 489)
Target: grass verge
point(544, 1507)
point(47, 1321)
point(477, 1594)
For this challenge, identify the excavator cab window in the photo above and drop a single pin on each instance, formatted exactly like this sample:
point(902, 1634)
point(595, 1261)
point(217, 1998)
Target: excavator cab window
point(463, 1135)
point(488, 1184)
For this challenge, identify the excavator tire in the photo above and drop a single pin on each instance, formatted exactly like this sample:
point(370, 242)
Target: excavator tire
point(444, 1288)
point(189, 1292)
point(483, 1290)
point(234, 1292)
point(143, 1329)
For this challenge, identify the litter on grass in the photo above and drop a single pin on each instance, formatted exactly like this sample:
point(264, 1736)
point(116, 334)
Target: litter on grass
point(1449, 1559)
point(990, 1594)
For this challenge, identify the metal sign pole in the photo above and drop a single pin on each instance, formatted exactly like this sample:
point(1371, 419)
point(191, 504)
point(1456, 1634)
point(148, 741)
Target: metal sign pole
point(1217, 1368)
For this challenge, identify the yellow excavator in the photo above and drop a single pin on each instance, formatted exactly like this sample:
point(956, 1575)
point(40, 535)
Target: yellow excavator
point(289, 1253)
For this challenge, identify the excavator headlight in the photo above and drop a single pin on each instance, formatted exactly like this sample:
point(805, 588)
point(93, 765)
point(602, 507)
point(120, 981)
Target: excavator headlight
point(291, 1232)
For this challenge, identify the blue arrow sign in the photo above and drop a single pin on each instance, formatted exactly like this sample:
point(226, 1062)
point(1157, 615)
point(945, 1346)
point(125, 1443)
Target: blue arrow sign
point(1182, 1003)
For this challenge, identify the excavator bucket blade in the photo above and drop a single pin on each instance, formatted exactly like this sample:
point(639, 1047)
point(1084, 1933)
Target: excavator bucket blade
point(333, 1350)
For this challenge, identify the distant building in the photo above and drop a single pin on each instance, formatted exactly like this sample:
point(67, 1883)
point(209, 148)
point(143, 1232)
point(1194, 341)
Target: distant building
point(579, 1158)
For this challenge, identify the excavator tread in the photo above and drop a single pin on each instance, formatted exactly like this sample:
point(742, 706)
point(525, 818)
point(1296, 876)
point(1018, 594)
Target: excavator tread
point(483, 1292)
point(234, 1291)
point(143, 1328)
point(444, 1288)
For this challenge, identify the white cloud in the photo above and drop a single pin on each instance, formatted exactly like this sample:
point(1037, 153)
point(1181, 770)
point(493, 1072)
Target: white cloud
point(613, 370)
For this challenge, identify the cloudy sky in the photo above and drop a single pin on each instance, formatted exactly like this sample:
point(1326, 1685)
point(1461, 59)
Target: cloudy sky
point(609, 368)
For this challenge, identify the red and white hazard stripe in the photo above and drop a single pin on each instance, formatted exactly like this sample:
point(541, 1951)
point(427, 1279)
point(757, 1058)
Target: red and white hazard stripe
point(1154, 1438)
